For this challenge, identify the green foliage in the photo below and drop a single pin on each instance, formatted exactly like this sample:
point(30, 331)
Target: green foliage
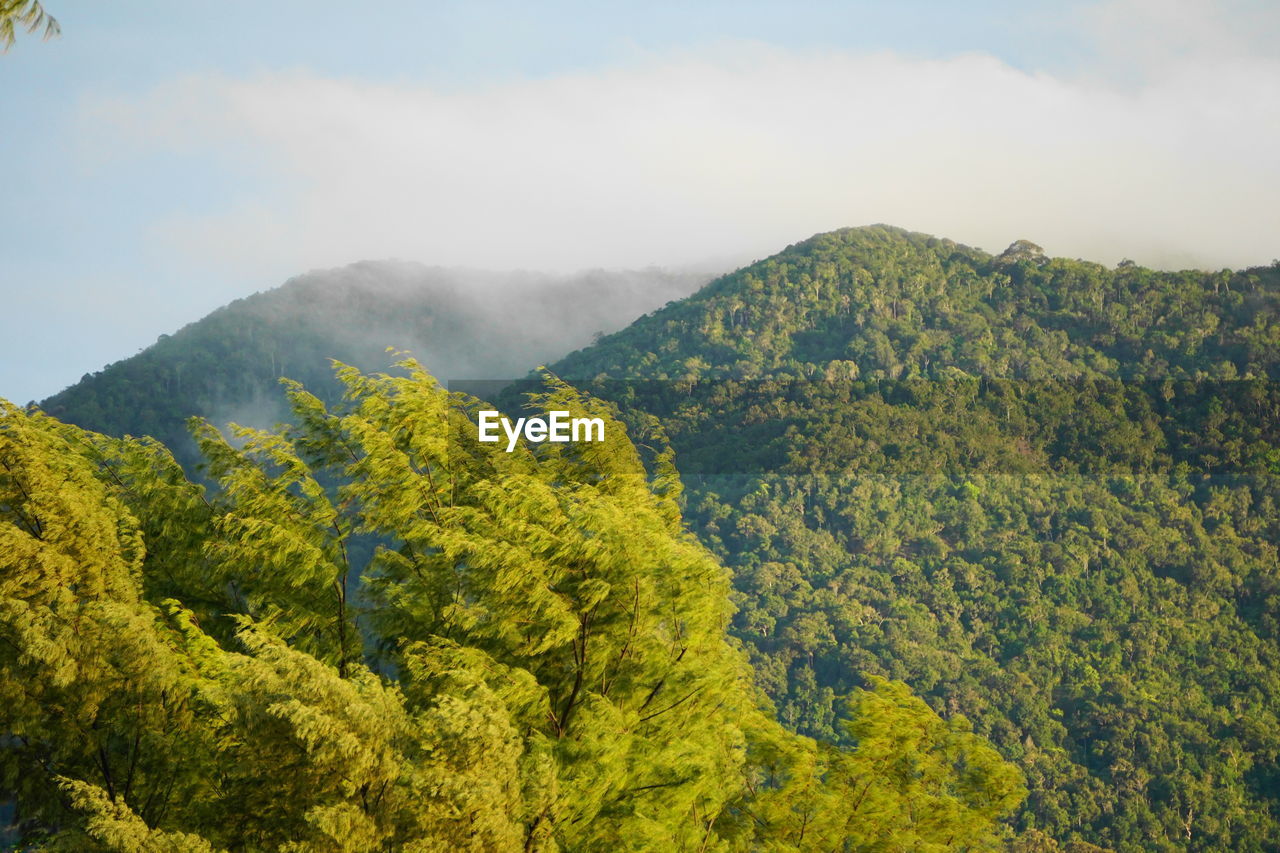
point(95, 683)
point(882, 303)
point(539, 660)
point(1040, 492)
point(29, 15)
point(228, 365)
point(905, 760)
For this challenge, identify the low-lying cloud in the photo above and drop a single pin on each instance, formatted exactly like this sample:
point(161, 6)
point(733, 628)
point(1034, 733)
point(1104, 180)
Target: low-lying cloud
point(731, 153)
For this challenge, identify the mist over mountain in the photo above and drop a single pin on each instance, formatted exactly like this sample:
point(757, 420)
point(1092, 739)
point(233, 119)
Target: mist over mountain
point(461, 323)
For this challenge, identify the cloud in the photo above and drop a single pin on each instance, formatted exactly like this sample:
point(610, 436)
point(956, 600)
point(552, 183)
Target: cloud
point(734, 152)
point(1147, 39)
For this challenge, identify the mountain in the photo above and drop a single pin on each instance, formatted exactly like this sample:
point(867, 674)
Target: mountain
point(463, 324)
point(880, 302)
point(1040, 491)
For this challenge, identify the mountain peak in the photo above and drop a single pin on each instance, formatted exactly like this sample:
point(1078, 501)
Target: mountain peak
point(879, 301)
point(1023, 250)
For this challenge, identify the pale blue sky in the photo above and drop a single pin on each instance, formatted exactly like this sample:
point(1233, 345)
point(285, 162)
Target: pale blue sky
point(166, 157)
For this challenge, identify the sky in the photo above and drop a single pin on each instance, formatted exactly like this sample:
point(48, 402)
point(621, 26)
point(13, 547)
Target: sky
point(164, 158)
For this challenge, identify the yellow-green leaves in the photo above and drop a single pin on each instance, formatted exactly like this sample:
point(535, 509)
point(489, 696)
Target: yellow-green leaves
point(93, 685)
point(279, 547)
point(539, 663)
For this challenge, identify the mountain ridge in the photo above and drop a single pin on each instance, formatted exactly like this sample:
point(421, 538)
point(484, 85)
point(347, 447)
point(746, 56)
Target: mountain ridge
point(908, 287)
point(1041, 492)
point(463, 323)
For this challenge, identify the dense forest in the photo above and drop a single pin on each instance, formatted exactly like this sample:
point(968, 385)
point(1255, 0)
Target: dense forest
point(541, 663)
point(465, 324)
point(1041, 492)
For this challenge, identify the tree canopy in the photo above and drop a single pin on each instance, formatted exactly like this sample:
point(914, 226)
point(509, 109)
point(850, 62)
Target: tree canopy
point(375, 633)
point(1041, 492)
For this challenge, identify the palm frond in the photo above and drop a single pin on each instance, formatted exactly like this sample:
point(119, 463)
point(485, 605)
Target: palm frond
point(28, 14)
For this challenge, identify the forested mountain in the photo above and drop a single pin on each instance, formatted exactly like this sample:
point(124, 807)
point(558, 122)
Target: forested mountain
point(463, 324)
point(1041, 492)
point(545, 667)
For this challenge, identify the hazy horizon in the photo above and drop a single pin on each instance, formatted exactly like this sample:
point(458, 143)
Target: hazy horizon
point(171, 160)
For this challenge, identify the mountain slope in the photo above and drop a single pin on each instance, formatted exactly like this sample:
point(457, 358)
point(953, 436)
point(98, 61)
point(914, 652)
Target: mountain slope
point(461, 323)
point(1042, 492)
point(880, 302)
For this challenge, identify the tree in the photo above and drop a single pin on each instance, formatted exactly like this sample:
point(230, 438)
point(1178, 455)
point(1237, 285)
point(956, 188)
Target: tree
point(543, 663)
point(24, 13)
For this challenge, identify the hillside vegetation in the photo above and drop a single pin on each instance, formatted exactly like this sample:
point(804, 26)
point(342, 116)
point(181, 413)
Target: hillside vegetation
point(1041, 492)
point(464, 324)
point(544, 665)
